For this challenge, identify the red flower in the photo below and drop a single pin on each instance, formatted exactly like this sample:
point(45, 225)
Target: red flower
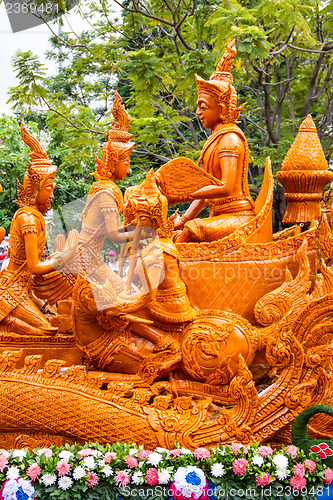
point(92, 480)
point(131, 461)
point(152, 476)
point(297, 482)
point(239, 466)
point(263, 480)
point(122, 477)
point(265, 451)
point(63, 467)
point(144, 454)
point(328, 476)
point(299, 470)
point(310, 464)
point(33, 471)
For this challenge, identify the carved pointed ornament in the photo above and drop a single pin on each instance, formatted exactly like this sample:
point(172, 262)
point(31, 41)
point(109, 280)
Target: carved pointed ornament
point(220, 84)
point(304, 175)
point(39, 170)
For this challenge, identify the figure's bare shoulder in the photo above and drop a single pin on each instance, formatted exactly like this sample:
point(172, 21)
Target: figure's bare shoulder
point(27, 219)
point(231, 140)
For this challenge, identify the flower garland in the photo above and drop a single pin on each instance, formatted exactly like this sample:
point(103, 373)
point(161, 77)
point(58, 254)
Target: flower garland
point(126, 471)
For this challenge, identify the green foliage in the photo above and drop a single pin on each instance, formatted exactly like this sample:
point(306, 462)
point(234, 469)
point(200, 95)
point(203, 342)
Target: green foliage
point(282, 70)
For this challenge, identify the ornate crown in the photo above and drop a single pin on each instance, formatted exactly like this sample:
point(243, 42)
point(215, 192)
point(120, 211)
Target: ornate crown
point(148, 199)
point(39, 170)
point(220, 84)
point(117, 145)
point(119, 135)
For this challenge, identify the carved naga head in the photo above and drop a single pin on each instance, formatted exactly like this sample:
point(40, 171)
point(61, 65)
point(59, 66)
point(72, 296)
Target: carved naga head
point(220, 87)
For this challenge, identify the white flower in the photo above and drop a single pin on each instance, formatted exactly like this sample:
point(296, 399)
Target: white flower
point(188, 489)
point(19, 454)
point(137, 477)
point(96, 453)
point(65, 483)
point(257, 460)
point(79, 473)
point(163, 476)
point(89, 462)
point(101, 463)
point(154, 458)
point(107, 470)
point(5, 453)
point(217, 470)
point(65, 454)
point(49, 479)
point(13, 473)
point(161, 450)
point(282, 473)
point(185, 451)
point(281, 461)
point(132, 451)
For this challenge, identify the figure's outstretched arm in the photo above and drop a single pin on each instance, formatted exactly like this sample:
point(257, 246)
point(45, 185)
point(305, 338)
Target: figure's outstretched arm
point(193, 210)
point(37, 267)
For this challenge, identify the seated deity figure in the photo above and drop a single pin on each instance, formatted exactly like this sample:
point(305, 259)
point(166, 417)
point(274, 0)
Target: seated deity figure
point(114, 336)
point(225, 156)
point(101, 215)
point(18, 311)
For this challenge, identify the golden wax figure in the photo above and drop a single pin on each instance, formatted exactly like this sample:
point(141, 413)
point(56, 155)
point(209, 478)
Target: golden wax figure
point(18, 312)
point(225, 156)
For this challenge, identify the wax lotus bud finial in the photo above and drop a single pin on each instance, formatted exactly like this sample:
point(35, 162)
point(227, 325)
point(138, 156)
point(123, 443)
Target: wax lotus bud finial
point(306, 152)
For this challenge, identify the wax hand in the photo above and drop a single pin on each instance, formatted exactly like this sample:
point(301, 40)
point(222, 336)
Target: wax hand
point(179, 224)
point(59, 243)
point(69, 249)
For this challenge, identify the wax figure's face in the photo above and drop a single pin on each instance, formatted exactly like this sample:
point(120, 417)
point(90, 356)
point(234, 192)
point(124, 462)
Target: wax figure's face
point(143, 219)
point(122, 167)
point(209, 111)
point(45, 196)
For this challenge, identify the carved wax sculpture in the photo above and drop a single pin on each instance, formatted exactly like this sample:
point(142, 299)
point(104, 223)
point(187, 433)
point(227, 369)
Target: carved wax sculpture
point(304, 175)
point(100, 217)
point(115, 339)
point(18, 312)
point(224, 156)
point(2, 230)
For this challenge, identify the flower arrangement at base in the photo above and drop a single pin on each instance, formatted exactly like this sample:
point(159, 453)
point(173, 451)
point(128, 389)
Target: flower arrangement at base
point(121, 471)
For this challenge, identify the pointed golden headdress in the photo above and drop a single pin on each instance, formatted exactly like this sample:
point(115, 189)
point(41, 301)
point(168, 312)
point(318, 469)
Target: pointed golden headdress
point(147, 198)
point(117, 145)
point(40, 169)
point(220, 84)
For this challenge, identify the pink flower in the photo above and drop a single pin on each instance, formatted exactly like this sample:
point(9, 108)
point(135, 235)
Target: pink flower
point(265, 451)
point(122, 477)
point(239, 466)
point(235, 447)
point(201, 453)
point(63, 467)
point(299, 470)
point(292, 450)
point(328, 476)
point(33, 471)
point(5, 453)
point(85, 453)
point(46, 451)
point(131, 461)
point(263, 480)
point(144, 454)
point(310, 464)
point(110, 455)
point(92, 479)
point(175, 453)
point(297, 482)
point(3, 462)
point(152, 476)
